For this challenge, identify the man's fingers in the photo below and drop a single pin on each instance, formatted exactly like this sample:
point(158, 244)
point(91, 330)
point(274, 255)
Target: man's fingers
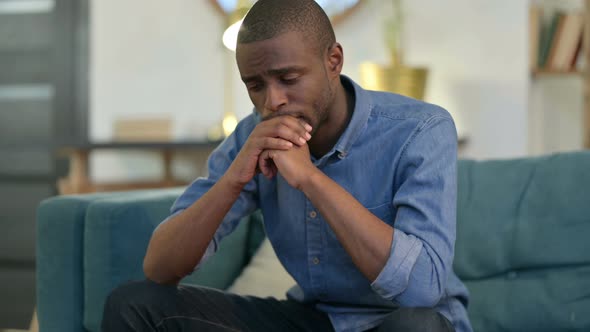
point(294, 136)
point(274, 143)
point(288, 128)
point(306, 126)
point(266, 164)
point(280, 133)
point(292, 129)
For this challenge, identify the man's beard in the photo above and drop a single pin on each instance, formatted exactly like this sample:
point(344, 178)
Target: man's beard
point(322, 108)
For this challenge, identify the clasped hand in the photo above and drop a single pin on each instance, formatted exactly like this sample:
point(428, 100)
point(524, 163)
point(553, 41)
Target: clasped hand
point(277, 145)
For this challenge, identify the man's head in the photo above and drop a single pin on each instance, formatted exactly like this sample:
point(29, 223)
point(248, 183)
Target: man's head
point(289, 60)
point(268, 19)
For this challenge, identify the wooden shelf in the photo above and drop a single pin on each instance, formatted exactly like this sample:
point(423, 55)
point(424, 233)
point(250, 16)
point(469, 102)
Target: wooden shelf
point(78, 181)
point(583, 74)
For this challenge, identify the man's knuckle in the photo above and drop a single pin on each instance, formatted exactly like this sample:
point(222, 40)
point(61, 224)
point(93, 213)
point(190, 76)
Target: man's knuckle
point(284, 120)
point(283, 131)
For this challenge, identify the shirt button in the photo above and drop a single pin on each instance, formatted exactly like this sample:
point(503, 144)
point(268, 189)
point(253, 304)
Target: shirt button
point(316, 260)
point(313, 214)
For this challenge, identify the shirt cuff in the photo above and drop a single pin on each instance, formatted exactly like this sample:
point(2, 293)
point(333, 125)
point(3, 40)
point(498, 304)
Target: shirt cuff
point(393, 278)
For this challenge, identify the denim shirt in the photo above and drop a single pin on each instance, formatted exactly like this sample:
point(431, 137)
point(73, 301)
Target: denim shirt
point(397, 157)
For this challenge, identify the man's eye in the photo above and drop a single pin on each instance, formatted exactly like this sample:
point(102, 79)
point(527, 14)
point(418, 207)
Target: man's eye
point(253, 86)
point(289, 79)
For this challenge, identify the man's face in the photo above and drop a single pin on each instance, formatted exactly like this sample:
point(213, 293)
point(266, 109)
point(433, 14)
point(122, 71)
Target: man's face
point(285, 75)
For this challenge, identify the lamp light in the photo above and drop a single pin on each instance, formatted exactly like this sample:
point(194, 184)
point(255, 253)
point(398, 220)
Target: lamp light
point(229, 39)
point(229, 123)
point(230, 36)
point(234, 22)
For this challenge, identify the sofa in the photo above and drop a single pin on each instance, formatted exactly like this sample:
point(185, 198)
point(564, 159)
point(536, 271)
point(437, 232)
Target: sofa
point(523, 246)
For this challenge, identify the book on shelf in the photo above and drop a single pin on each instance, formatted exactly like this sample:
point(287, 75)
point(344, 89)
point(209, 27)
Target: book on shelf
point(555, 40)
point(547, 40)
point(565, 42)
point(577, 59)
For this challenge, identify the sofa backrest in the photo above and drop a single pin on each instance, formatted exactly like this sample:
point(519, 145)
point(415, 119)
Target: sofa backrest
point(523, 246)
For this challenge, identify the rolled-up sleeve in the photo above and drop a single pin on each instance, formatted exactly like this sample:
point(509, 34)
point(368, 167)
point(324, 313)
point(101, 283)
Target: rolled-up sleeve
point(422, 249)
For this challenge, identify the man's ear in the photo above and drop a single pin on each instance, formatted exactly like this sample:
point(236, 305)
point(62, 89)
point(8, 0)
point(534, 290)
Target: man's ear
point(335, 60)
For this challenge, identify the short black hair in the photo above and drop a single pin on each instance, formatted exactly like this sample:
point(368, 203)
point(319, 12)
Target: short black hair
point(269, 18)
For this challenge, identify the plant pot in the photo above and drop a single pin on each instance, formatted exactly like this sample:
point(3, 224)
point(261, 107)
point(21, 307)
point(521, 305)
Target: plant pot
point(403, 80)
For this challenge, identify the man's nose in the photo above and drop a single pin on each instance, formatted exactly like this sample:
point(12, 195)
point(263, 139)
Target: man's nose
point(276, 98)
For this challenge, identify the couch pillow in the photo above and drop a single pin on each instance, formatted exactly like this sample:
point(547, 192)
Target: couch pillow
point(264, 276)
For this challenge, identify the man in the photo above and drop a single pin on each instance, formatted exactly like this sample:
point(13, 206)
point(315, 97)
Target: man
point(357, 189)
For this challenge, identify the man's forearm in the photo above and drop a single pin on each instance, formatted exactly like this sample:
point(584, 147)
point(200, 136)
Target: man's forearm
point(365, 237)
point(178, 245)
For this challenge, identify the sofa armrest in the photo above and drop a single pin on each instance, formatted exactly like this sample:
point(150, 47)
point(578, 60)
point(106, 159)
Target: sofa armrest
point(89, 244)
point(116, 235)
point(59, 243)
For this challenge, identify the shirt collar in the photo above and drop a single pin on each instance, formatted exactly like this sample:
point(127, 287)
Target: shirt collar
point(360, 116)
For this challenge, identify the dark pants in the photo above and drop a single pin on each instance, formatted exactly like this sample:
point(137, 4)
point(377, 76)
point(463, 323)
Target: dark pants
point(148, 306)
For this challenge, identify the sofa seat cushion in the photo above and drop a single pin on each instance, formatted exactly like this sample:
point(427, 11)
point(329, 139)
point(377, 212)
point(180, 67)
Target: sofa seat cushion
point(539, 300)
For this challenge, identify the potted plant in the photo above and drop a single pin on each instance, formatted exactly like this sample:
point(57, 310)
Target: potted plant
point(395, 76)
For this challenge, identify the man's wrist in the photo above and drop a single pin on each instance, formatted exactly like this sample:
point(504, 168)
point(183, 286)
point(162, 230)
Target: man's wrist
point(312, 180)
point(232, 185)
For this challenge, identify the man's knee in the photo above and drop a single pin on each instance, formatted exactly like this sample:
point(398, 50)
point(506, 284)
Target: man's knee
point(416, 319)
point(139, 292)
point(134, 298)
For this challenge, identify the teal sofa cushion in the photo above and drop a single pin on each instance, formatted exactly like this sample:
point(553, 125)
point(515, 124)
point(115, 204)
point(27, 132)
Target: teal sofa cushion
point(522, 238)
point(549, 299)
